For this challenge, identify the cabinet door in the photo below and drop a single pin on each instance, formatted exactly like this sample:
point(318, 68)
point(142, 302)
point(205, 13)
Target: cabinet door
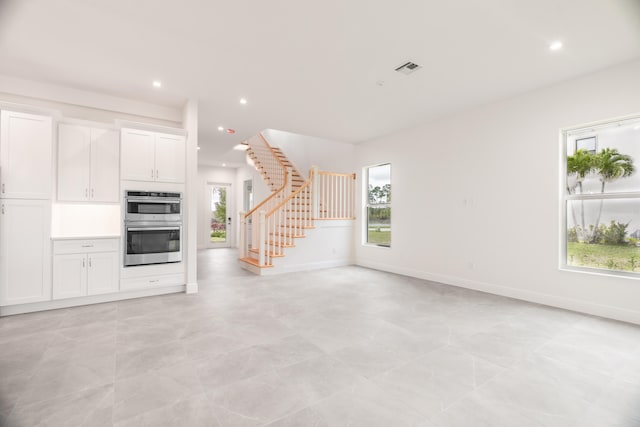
point(73, 162)
point(137, 149)
point(25, 156)
point(105, 161)
point(170, 158)
point(69, 276)
point(25, 251)
point(103, 273)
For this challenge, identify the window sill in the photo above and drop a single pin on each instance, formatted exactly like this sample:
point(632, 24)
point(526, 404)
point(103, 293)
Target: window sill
point(601, 272)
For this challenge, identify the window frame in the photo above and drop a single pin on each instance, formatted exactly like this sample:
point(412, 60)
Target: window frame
point(590, 130)
point(366, 205)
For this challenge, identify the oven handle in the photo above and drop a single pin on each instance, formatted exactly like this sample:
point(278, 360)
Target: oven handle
point(151, 228)
point(153, 201)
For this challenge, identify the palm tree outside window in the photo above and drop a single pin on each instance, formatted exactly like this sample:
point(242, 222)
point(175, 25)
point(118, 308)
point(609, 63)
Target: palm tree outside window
point(601, 198)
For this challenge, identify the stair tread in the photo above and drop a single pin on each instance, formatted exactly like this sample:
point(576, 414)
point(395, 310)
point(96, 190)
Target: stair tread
point(282, 245)
point(271, 254)
point(255, 262)
point(297, 236)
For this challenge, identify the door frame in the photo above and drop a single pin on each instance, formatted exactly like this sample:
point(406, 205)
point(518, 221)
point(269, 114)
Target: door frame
point(228, 243)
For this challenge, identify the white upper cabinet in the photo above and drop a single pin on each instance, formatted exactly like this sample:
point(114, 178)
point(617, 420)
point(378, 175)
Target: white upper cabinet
point(25, 156)
point(151, 156)
point(105, 162)
point(88, 161)
point(74, 166)
point(138, 155)
point(170, 160)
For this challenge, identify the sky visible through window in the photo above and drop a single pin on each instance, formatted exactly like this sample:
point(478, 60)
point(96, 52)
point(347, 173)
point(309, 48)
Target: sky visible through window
point(379, 175)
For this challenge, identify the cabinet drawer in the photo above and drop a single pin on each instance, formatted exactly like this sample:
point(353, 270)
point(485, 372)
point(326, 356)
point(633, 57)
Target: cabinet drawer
point(151, 282)
point(85, 246)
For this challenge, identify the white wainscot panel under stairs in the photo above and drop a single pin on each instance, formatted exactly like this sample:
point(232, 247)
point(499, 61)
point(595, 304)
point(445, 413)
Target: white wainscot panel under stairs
point(327, 245)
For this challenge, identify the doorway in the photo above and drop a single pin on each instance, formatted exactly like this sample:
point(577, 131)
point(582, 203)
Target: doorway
point(220, 230)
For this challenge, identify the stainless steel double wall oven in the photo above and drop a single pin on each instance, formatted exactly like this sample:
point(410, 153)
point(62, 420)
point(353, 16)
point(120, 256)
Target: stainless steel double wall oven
point(152, 228)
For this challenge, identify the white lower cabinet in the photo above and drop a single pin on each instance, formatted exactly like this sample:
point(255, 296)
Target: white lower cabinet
point(69, 276)
point(85, 267)
point(25, 251)
point(102, 277)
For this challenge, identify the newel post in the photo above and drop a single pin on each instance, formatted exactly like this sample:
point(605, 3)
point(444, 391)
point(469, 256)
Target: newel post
point(315, 191)
point(243, 235)
point(262, 242)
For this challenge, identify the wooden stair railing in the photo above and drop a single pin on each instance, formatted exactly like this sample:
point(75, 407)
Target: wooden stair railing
point(272, 163)
point(278, 221)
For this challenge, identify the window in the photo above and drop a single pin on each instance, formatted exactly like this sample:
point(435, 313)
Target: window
point(601, 202)
point(588, 144)
point(378, 205)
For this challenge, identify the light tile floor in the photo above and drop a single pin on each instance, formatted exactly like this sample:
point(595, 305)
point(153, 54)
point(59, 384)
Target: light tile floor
point(338, 347)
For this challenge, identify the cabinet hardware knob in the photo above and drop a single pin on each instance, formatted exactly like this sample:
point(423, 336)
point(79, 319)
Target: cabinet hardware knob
point(89, 261)
point(87, 246)
point(152, 173)
point(2, 209)
point(3, 188)
point(83, 263)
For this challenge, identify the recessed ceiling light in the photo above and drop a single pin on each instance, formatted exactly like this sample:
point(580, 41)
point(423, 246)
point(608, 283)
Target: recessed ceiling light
point(220, 128)
point(198, 147)
point(157, 83)
point(231, 130)
point(243, 100)
point(224, 165)
point(557, 45)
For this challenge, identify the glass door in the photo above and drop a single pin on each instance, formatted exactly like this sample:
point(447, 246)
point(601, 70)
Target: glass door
point(220, 218)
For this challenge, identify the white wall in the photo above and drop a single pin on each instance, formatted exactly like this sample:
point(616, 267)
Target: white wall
point(306, 151)
point(260, 189)
point(329, 244)
point(190, 120)
point(476, 196)
point(82, 220)
point(81, 104)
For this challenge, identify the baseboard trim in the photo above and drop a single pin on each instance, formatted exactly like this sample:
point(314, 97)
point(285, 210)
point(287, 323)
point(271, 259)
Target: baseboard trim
point(93, 299)
point(192, 288)
point(282, 267)
point(586, 307)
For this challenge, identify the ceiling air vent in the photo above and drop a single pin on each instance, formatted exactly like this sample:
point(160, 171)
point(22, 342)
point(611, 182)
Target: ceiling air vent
point(408, 68)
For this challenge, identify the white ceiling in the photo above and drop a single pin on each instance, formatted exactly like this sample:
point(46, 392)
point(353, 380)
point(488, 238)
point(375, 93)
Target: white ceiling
point(313, 67)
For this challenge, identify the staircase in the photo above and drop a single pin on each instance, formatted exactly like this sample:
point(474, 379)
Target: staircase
point(292, 207)
point(271, 163)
